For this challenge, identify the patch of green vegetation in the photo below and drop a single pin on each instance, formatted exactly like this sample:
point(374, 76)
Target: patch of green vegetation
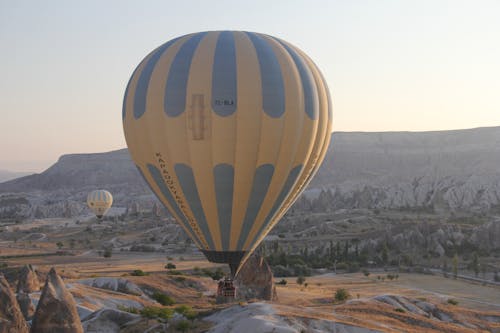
point(151, 312)
point(342, 295)
point(180, 279)
point(452, 301)
point(138, 272)
point(399, 310)
point(186, 311)
point(128, 309)
point(215, 275)
point(163, 299)
point(170, 266)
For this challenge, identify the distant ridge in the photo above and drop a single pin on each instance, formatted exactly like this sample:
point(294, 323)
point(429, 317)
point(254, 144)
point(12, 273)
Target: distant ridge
point(6, 175)
point(448, 170)
point(80, 171)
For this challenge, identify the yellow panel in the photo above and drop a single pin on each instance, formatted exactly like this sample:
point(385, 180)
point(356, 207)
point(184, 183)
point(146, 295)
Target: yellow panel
point(322, 139)
point(152, 137)
point(291, 125)
point(200, 149)
point(248, 129)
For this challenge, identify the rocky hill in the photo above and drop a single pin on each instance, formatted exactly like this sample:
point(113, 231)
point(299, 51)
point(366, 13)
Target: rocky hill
point(6, 175)
point(439, 171)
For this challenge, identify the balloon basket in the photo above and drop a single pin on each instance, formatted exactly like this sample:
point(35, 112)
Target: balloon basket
point(226, 291)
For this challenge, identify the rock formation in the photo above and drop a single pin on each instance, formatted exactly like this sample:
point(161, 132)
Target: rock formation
point(28, 280)
point(115, 284)
point(11, 318)
point(255, 280)
point(108, 320)
point(56, 311)
point(26, 305)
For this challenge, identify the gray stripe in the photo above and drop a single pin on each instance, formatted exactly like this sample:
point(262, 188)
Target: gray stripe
point(261, 181)
point(188, 184)
point(224, 86)
point(175, 90)
point(290, 181)
point(273, 89)
point(311, 102)
point(160, 182)
point(141, 90)
point(224, 183)
point(126, 92)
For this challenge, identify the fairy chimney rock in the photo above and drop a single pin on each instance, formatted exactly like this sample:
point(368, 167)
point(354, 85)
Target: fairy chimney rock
point(11, 318)
point(25, 305)
point(56, 311)
point(28, 280)
point(255, 280)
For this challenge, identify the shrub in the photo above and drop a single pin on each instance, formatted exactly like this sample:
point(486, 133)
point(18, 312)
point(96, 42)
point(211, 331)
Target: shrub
point(399, 310)
point(341, 295)
point(174, 272)
point(301, 279)
point(452, 301)
point(170, 266)
point(156, 312)
point(138, 272)
point(163, 299)
point(353, 267)
point(186, 311)
point(107, 253)
point(281, 271)
point(183, 326)
point(216, 275)
point(366, 272)
point(128, 309)
point(282, 282)
point(180, 279)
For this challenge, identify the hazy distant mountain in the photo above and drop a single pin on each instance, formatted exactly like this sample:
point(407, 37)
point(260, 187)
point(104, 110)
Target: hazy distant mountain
point(6, 175)
point(78, 172)
point(457, 170)
point(442, 170)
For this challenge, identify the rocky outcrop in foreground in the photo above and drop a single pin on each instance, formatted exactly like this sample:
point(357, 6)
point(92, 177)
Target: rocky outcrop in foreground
point(262, 317)
point(26, 305)
point(255, 280)
point(11, 318)
point(56, 311)
point(114, 284)
point(28, 280)
point(109, 320)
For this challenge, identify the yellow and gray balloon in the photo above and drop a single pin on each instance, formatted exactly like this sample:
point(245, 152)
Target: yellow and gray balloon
point(227, 128)
point(99, 202)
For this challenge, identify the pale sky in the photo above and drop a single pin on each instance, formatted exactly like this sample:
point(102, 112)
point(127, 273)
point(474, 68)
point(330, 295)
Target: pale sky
point(391, 65)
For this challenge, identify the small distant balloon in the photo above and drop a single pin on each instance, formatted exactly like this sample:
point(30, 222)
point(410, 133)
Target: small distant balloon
point(227, 128)
point(99, 202)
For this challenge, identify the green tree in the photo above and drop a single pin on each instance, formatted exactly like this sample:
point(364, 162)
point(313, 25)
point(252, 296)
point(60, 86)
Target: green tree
point(475, 264)
point(341, 295)
point(455, 265)
point(385, 254)
point(59, 245)
point(183, 326)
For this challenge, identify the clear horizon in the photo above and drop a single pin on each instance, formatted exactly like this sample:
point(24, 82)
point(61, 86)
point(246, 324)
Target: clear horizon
point(391, 66)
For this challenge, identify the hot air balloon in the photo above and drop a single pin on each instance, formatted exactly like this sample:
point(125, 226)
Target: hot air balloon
point(227, 128)
point(99, 201)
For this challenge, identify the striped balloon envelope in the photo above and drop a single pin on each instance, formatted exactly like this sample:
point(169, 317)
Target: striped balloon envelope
point(99, 201)
point(227, 128)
